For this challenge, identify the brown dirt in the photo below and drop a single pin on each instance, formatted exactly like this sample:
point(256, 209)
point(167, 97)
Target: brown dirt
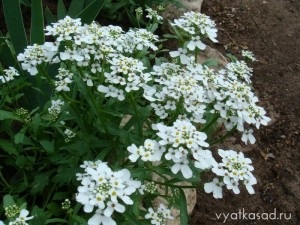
point(269, 28)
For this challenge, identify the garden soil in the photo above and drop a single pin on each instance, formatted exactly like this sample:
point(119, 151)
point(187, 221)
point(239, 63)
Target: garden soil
point(271, 29)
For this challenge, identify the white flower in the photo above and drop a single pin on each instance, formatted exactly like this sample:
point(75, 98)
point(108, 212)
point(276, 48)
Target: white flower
point(214, 187)
point(248, 136)
point(183, 166)
point(99, 218)
point(196, 42)
point(159, 216)
point(182, 53)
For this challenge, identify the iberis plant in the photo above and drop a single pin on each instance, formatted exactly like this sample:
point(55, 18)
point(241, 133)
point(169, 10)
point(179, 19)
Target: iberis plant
point(117, 110)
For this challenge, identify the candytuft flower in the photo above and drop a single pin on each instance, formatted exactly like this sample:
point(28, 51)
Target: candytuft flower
point(105, 190)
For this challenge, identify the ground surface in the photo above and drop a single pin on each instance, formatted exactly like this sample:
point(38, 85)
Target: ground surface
point(271, 29)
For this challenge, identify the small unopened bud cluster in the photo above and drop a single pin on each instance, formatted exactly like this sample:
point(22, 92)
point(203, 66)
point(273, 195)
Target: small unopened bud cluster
point(12, 211)
point(23, 114)
point(149, 187)
point(66, 205)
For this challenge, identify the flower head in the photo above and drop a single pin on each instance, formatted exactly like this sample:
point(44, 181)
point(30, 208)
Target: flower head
point(160, 215)
point(105, 190)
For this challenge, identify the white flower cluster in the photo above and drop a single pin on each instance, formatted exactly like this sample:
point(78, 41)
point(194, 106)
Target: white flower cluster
point(176, 87)
point(64, 78)
point(89, 47)
point(21, 219)
point(105, 190)
point(160, 215)
point(233, 169)
point(249, 55)
point(70, 135)
point(37, 54)
point(153, 15)
point(183, 142)
point(150, 151)
point(239, 71)
point(55, 108)
point(126, 72)
point(9, 74)
point(196, 26)
point(180, 143)
point(237, 105)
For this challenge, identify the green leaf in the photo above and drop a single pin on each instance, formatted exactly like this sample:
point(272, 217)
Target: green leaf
point(78, 219)
point(184, 217)
point(15, 25)
point(8, 147)
point(40, 216)
point(132, 220)
point(37, 23)
point(19, 137)
point(7, 57)
point(91, 11)
point(61, 9)
point(8, 201)
point(26, 2)
point(40, 182)
point(232, 57)
point(5, 115)
point(47, 146)
point(75, 8)
point(56, 221)
point(50, 18)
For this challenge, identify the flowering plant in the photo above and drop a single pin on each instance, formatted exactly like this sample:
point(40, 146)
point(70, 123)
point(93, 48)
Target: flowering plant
point(116, 113)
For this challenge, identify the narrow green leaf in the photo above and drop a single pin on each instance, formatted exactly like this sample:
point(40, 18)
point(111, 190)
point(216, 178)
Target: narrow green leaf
point(184, 217)
point(56, 221)
point(50, 18)
point(91, 11)
point(78, 219)
point(26, 2)
point(6, 56)
point(61, 9)
point(75, 8)
point(37, 23)
point(14, 23)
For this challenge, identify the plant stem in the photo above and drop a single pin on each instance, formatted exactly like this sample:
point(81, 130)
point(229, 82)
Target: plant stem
point(3, 179)
point(139, 130)
point(221, 139)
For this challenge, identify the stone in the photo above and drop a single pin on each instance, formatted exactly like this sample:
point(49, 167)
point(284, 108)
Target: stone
point(210, 52)
point(190, 195)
